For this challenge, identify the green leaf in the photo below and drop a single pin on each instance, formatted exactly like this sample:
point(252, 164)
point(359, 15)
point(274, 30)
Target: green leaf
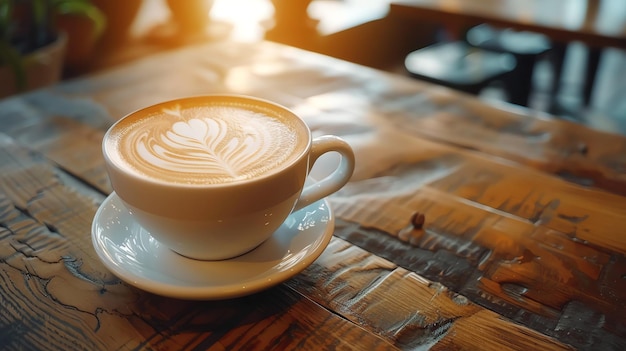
point(6, 9)
point(83, 8)
point(41, 17)
point(13, 59)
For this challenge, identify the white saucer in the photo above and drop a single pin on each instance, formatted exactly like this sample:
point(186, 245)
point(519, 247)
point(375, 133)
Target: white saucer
point(134, 256)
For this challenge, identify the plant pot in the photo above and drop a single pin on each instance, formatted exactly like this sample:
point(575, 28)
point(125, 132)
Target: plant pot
point(43, 67)
point(82, 38)
point(120, 16)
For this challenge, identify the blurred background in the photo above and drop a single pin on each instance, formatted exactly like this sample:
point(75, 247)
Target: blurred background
point(365, 32)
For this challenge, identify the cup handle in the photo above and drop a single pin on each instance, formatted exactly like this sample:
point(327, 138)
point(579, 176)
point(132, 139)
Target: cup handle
point(334, 181)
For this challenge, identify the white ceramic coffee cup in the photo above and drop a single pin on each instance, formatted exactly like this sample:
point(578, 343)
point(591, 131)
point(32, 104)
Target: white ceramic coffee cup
point(221, 221)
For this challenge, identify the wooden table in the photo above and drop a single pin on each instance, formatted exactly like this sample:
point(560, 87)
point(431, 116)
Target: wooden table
point(522, 244)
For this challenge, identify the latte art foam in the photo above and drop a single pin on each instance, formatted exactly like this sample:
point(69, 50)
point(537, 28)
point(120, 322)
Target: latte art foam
point(210, 144)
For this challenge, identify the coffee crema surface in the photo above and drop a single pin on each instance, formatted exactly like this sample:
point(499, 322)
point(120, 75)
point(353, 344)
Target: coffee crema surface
point(206, 144)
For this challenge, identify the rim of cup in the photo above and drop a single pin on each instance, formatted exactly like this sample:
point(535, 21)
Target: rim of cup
point(269, 174)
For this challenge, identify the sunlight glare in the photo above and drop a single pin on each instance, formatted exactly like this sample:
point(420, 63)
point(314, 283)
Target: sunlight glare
point(246, 16)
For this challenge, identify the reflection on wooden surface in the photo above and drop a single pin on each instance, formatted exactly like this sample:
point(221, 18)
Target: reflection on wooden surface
point(521, 244)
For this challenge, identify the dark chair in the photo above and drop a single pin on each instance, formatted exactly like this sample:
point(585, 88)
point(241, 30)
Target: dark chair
point(527, 47)
point(459, 66)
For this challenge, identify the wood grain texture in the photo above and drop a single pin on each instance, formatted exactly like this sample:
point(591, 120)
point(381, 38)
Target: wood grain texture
point(583, 156)
point(57, 295)
point(338, 95)
point(521, 245)
point(533, 247)
point(37, 173)
point(406, 308)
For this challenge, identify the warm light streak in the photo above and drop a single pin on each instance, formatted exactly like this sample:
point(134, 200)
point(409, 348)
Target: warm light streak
point(246, 16)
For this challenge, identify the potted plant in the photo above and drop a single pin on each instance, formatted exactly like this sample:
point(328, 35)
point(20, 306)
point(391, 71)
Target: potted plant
point(32, 47)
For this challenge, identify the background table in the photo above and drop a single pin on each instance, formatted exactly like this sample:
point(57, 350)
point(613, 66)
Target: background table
point(596, 23)
point(522, 245)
